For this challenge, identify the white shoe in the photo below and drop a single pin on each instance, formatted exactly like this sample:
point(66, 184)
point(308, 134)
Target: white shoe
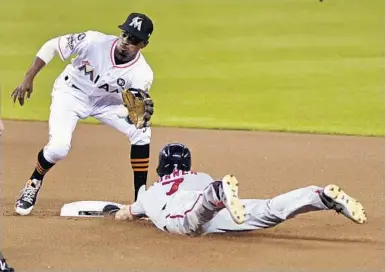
point(345, 204)
point(231, 199)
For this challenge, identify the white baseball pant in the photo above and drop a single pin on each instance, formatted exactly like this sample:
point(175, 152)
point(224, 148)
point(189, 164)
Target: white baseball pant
point(69, 105)
point(193, 212)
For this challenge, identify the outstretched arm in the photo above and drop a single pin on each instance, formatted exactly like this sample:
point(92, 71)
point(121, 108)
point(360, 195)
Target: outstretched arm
point(44, 56)
point(64, 46)
point(46, 53)
point(130, 212)
point(26, 87)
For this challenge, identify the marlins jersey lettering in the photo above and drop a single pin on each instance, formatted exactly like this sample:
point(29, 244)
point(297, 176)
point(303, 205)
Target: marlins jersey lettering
point(94, 71)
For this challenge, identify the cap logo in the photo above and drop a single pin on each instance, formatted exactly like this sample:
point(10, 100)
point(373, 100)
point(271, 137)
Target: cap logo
point(136, 23)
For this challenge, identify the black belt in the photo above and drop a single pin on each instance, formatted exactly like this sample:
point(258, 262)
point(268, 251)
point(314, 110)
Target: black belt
point(72, 85)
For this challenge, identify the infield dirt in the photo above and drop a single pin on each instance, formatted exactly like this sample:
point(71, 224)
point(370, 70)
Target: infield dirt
point(266, 164)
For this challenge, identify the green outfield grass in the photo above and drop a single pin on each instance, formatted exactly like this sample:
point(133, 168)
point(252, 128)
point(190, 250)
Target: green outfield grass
point(296, 65)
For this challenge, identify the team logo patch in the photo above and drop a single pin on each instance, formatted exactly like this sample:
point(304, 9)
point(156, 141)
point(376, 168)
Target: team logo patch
point(71, 42)
point(81, 36)
point(121, 82)
point(73, 39)
point(136, 23)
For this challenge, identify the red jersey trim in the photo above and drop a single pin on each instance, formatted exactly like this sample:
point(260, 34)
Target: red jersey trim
point(120, 66)
point(185, 212)
point(60, 50)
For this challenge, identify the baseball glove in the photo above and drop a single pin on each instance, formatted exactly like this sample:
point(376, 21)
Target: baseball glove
point(139, 105)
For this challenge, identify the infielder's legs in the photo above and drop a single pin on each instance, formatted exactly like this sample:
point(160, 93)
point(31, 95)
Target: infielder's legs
point(66, 109)
point(268, 213)
point(105, 110)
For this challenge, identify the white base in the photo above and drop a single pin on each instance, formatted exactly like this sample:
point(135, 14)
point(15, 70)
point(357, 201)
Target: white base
point(85, 208)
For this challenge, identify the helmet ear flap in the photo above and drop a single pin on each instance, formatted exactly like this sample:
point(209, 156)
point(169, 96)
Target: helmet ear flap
point(186, 159)
point(161, 164)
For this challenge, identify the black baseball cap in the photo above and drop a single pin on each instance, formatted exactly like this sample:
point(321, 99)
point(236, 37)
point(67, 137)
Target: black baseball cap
point(138, 25)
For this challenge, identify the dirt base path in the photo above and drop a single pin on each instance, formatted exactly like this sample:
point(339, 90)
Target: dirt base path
point(267, 164)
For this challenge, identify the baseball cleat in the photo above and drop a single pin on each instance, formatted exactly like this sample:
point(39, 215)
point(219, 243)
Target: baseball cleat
point(231, 199)
point(344, 204)
point(4, 266)
point(27, 199)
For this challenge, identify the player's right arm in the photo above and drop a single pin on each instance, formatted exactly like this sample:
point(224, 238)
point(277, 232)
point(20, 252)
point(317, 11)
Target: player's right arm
point(130, 212)
point(64, 46)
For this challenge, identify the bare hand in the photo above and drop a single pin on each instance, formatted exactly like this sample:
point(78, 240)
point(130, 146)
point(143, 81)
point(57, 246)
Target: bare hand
point(25, 87)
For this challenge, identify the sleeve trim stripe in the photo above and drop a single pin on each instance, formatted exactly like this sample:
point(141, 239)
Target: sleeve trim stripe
point(60, 50)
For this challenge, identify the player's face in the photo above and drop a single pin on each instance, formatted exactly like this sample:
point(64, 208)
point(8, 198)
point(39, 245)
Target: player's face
point(129, 43)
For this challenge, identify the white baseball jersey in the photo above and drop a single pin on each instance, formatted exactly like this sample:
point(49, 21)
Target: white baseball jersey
point(94, 70)
point(163, 190)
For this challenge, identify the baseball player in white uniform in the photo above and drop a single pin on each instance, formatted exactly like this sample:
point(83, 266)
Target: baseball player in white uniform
point(91, 85)
point(192, 203)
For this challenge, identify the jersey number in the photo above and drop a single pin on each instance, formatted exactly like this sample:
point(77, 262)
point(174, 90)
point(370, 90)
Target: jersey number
point(176, 183)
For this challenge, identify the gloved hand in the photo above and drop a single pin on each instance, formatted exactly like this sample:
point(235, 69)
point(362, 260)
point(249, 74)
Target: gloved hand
point(139, 105)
